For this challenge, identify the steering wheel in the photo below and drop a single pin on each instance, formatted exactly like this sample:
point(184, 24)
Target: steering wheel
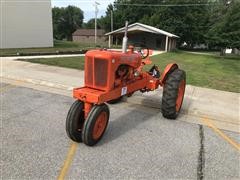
point(144, 54)
point(143, 50)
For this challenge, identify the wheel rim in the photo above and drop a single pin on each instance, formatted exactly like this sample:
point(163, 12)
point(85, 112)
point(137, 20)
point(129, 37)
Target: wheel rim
point(100, 125)
point(180, 95)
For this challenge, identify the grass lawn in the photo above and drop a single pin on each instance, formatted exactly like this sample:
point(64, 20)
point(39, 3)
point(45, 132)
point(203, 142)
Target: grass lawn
point(58, 46)
point(202, 70)
point(68, 62)
point(205, 70)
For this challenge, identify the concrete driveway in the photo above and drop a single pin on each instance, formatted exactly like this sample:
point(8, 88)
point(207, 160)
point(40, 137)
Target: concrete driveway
point(139, 143)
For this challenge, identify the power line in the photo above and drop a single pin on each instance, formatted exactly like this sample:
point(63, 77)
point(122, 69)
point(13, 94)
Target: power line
point(166, 5)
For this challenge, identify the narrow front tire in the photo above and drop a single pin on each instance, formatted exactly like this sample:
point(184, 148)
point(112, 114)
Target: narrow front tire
point(95, 124)
point(75, 120)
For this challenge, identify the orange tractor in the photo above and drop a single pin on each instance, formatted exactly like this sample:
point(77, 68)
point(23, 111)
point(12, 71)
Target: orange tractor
point(110, 75)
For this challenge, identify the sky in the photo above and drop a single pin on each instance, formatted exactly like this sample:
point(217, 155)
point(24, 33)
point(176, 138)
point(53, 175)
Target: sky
point(86, 6)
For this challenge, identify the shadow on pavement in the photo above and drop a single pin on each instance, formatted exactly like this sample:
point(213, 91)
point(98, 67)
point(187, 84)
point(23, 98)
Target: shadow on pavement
point(123, 124)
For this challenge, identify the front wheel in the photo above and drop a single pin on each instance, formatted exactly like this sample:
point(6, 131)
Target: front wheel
point(173, 94)
point(75, 120)
point(95, 124)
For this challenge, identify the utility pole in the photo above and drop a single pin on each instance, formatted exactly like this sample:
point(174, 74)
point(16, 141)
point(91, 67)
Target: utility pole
point(96, 11)
point(111, 28)
point(111, 20)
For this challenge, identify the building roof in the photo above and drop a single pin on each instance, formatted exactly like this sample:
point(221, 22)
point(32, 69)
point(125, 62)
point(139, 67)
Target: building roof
point(142, 27)
point(88, 32)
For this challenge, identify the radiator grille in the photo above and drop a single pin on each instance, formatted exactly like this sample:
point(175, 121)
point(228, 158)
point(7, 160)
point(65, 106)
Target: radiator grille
point(101, 72)
point(96, 73)
point(89, 72)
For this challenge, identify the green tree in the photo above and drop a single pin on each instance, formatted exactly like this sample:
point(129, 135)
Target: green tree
point(189, 22)
point(66, 21)
point(91, 24)
point(225, 25)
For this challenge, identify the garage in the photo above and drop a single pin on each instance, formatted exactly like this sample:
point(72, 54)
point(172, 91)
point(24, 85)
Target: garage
point(144, 35)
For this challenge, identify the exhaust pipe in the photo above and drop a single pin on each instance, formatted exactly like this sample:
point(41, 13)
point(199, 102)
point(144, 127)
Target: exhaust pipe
point(125, 39)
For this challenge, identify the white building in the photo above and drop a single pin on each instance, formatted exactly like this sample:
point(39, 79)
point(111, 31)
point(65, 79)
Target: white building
point(146, 35)
point(25, 24)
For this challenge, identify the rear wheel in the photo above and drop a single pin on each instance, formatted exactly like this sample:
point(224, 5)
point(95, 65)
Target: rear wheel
point(173, 93)
point(95, 124)
point(74, 121)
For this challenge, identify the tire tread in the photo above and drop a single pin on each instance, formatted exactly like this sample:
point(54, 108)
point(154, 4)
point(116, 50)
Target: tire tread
point(170, 93)
point(73, 114)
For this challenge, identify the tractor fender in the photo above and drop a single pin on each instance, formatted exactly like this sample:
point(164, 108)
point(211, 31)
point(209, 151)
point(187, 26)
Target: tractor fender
point(168, 70)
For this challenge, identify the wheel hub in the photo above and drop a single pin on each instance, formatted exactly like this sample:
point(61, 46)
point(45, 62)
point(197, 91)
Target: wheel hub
point(100, 125)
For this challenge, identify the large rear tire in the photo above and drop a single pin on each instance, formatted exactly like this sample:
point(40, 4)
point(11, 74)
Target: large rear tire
point(173, 94)
point(95, 124)
point(75, 120)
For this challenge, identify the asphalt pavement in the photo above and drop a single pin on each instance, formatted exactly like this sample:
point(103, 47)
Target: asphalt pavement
point(138, 144)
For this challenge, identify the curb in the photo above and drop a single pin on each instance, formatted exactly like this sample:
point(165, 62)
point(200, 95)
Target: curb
point(40, 82)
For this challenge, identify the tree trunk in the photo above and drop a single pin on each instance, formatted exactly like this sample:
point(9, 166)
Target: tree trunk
point(69, 38)
point(222, 52)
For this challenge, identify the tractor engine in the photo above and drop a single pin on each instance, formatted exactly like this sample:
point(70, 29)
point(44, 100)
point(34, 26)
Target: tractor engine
point(105, 69)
